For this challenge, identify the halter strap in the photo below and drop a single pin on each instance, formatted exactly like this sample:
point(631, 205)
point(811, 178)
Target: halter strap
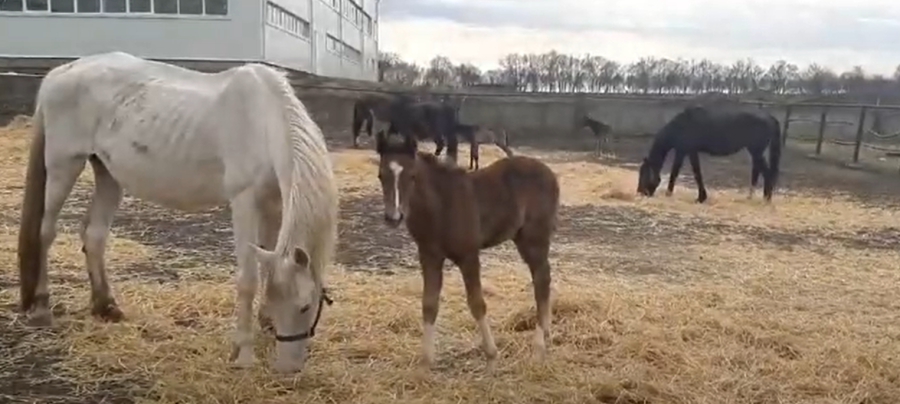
point(323, 298)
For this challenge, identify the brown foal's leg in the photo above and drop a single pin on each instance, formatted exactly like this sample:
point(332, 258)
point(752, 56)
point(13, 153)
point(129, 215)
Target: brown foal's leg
point(534, 251)
point(433, 277)
point(470, 267)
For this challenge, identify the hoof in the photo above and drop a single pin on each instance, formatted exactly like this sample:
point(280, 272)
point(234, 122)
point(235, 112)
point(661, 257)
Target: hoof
point(238, 361)
point(669, 193)
point(426, 363)
point(241, 364)
point(108, 312)
point(285, 368)
point(40, 320)
point(490, 353)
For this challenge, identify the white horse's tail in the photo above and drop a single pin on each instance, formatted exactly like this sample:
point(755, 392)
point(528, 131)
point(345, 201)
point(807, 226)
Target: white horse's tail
point(32, 215)
point(314, 187)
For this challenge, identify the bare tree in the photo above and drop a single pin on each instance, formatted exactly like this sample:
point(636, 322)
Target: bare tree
point(557, 72)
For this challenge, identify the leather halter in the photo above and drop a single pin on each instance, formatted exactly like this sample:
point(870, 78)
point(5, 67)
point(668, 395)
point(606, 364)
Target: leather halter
point(323, 298)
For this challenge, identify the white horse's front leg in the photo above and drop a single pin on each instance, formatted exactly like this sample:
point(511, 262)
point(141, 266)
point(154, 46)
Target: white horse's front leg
point(245, 219)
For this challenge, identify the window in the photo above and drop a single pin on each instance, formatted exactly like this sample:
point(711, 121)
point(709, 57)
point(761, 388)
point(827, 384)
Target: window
point(351, 54)
point(36, 5)
point(279, 17)
point(190, 7)
point(139, 6)
point(114, 6)
point(216, 7)
point(332, 44)
point(62, 6)
point(11, 5)
point(165, 6)
point(88, 6)
point(194, 7)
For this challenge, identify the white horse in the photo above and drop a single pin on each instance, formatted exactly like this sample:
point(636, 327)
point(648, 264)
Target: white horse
point(187, 140)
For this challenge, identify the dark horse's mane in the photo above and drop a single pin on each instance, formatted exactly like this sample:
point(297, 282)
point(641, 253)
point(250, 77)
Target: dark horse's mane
point(436, 164)
point(663, 142)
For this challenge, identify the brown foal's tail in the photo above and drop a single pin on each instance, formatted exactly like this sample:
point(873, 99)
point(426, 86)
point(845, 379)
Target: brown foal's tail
point(32, 216)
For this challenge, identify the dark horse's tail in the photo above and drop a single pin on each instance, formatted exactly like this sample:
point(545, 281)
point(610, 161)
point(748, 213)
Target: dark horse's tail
point(361, 113)
point(774, 152)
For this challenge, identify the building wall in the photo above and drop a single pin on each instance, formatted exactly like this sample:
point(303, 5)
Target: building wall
point(325, 37)
point(234, 36)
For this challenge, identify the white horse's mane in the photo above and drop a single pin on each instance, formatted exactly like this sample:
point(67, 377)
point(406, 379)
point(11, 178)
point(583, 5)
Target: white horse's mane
point(303, 189)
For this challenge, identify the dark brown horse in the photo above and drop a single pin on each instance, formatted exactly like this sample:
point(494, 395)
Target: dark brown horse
point(601, 131)
point(475, 135)
point(402, 113)
point(454, 214)
point(432, 119)
point(717, 132)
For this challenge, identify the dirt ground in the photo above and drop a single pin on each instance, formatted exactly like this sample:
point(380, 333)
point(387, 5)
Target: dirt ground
point(657, 300)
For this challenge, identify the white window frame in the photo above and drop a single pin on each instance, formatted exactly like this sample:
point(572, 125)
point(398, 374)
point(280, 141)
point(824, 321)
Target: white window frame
point(283, 20)
point(126, 14)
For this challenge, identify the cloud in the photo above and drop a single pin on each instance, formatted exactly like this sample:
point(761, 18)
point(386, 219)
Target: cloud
point(837, 34)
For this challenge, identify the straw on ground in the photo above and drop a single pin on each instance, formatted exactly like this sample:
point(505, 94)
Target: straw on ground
point(655, 301)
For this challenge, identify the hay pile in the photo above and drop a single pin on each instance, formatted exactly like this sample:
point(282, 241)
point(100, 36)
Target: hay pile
point(749, 322)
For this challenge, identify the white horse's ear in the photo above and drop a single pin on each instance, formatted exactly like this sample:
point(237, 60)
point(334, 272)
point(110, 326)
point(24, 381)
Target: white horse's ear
point(301, 258)
point(264, 256)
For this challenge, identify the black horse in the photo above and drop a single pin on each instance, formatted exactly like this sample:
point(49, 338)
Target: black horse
point(430, 119)
point(379, 107)
point(715, 132)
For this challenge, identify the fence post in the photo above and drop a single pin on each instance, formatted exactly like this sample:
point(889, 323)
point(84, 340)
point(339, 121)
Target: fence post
point(786, 124)
point(822, 120)
point(859, 134)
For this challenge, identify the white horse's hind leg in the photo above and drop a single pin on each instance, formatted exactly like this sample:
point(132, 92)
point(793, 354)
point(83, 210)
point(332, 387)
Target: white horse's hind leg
point(61, 177)
point(105, 202)
point(245, 219)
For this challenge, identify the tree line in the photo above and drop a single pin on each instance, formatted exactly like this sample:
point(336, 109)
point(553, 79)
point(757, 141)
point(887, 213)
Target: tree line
point(558, 72)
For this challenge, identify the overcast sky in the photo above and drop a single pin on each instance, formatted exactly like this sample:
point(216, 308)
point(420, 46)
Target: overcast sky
point(837, 33)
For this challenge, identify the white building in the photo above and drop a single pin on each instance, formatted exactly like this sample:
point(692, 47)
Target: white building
point(337, 38)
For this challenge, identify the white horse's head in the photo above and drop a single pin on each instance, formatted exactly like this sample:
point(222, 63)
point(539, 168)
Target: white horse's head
point(292, 301)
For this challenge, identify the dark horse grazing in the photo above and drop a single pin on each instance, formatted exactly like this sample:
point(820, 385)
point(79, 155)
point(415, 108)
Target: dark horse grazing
point(377, 107)
point(427, 120)
point(716, 132)
point(475, 135)
point(453, 214)
point(600, 129)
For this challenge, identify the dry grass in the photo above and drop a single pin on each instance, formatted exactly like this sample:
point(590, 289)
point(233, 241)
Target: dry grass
point(751, 319)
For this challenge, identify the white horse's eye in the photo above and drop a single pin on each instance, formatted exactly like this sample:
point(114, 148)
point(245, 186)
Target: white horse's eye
point(306, 308)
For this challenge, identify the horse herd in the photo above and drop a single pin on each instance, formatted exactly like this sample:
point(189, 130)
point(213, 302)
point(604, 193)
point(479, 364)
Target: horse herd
point(190, 140)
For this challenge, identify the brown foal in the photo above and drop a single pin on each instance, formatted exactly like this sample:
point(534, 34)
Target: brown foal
point(454, 214)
